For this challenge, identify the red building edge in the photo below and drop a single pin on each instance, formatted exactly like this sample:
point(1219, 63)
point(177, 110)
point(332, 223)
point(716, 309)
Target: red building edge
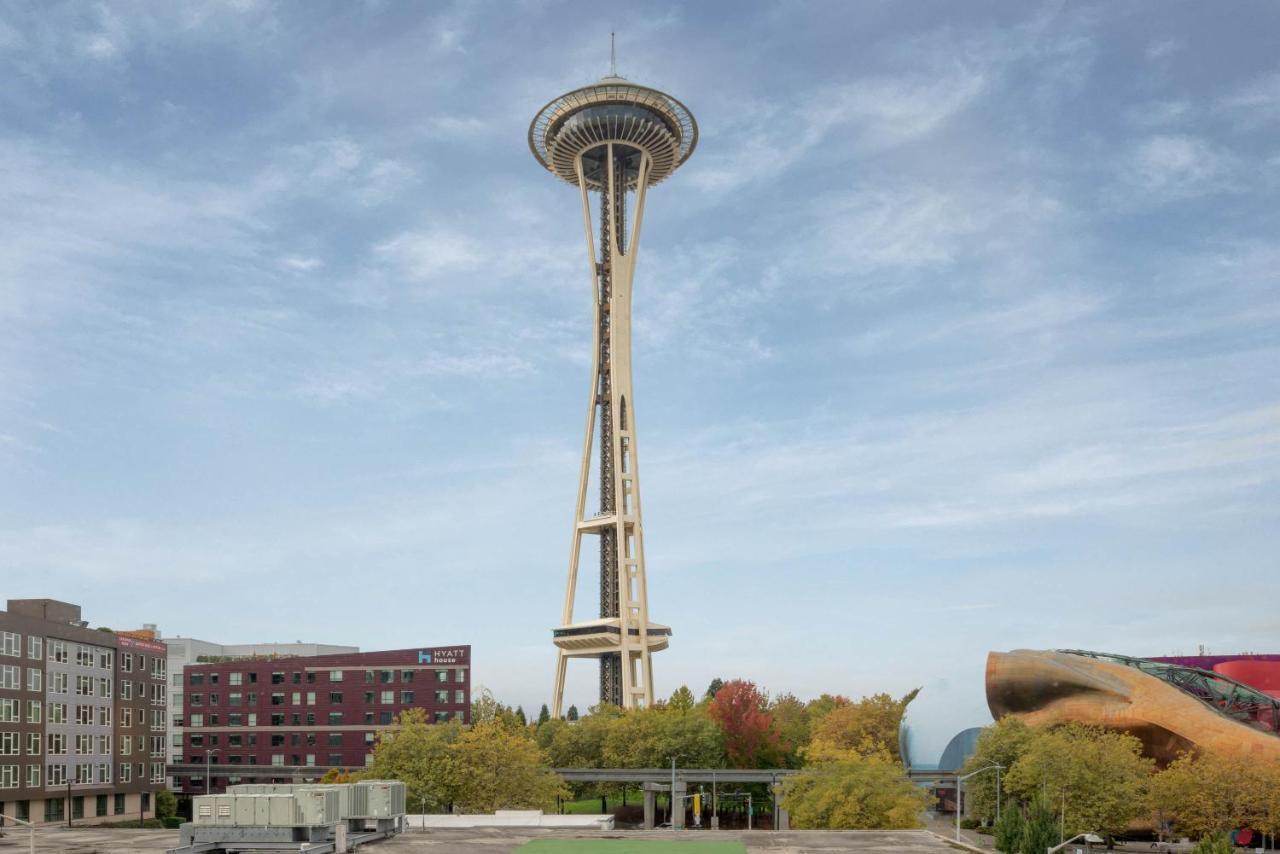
point(264, 720)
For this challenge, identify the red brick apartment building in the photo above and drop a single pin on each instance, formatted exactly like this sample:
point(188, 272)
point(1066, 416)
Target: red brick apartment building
point(286, 719)
point(82, 717)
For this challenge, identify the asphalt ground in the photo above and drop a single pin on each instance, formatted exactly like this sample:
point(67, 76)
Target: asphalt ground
point(508, 840)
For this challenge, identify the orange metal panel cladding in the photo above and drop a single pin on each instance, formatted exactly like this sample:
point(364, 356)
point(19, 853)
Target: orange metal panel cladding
point(1045, 688)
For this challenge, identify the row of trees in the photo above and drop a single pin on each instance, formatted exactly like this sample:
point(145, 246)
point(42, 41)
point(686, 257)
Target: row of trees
point(1079, 779)
point(849, 752)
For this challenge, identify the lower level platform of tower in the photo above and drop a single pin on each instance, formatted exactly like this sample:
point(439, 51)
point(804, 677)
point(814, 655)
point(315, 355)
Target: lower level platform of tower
point(604, 635)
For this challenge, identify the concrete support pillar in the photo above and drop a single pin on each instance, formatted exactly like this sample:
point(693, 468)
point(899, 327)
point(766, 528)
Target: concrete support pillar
point(781, 819)
point(651, 804)
point(678, 805)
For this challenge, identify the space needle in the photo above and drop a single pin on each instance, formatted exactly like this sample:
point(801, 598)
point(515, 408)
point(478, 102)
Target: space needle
point(613, 140)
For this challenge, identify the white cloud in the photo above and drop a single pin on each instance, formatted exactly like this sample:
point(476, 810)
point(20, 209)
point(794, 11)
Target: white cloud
point(300, 263)
point(1171, 166)
point(1254, 104)
point(432, 254)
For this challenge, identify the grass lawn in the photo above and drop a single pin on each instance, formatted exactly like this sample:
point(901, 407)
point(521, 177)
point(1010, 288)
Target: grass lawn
point(627, 846)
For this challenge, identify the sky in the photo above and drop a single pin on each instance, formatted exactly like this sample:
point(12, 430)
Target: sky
point(958, 332)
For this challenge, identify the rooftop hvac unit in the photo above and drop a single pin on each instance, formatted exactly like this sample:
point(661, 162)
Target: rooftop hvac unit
point(213, 810)
point(342, 790)
point(377, 799)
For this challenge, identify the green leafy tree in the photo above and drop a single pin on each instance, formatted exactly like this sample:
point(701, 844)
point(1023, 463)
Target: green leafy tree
point(843, 790)
point(792, 723)
point(544, 715)
point(1010, 829)
point(520, 716)
point(1215, 843)
point(573, 713)
point(714, 687)
point(1105, 777)
point(1002, 743)
point(648, 738)
point(492, 767)
point(870, 726)
point(681, 699)
point(1041, 830)
point(823, 705)
point(1208, 793)
point(416, 752)
point(166, 804)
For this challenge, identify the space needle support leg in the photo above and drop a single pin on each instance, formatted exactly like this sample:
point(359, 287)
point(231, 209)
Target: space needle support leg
point(557, 698)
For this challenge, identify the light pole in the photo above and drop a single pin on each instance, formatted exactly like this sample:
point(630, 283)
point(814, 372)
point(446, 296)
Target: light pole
point(208, 767)
point(961, 778)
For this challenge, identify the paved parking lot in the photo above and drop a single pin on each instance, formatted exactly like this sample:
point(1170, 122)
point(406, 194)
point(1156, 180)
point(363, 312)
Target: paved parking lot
point(501, 841)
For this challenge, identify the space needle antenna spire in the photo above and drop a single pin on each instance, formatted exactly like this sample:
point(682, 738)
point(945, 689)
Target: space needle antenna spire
point(612, 140)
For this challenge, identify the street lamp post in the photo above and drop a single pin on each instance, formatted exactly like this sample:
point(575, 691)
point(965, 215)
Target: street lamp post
point(208, 768)
point(961, 778)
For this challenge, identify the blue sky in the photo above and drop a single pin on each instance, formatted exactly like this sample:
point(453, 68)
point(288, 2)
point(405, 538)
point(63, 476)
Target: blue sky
point(958, 331)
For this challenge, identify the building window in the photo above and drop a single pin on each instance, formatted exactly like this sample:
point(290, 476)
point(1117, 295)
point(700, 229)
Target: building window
point(126, 772)
point(388, 697)
point(33, 744)
point(10, 744)
point(126, 690)
point(84, 715)
point(335, 675)
point(119, 803)
point(84, 774)
point(370, 738)
point(104, 716)
point(106, 660)
point(297, 698)
point(277, 759)
point(197, 679)
point(35, 647)
point(59, 682)
point(386, 676)
point(104, 688)
point(368, 677)
point(84, 686)
point(406, 675)
point(58, 651)
point(57, 713)
point(126, 743)
point(442, 696)
point(53, 807)
point(460, 675)
point(277, 678)
point(126, 662)
point(126, 716)
point(104, 772)
point(441, 717)
point(104, 745)
point(442, 675)
point(385, 718)
point(459, 696)
point(9, 677)
point(84, 745)
point(9, 711)
point(33, 776)
point(335, 719)
point(296, 677)
point(335, 698)
point(368, 696)
point(253, 719)
point(33, 679)
point(56, 775)
point(197, 699)
point(277, 699)
point(10, 644)
point(311, 698)
point(57, 742)
point(235, 678)
point(34, 710)
point(8, 776)
point(406, 697)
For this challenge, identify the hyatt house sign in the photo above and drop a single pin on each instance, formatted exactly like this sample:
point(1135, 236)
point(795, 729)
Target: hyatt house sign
point(456, 655)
